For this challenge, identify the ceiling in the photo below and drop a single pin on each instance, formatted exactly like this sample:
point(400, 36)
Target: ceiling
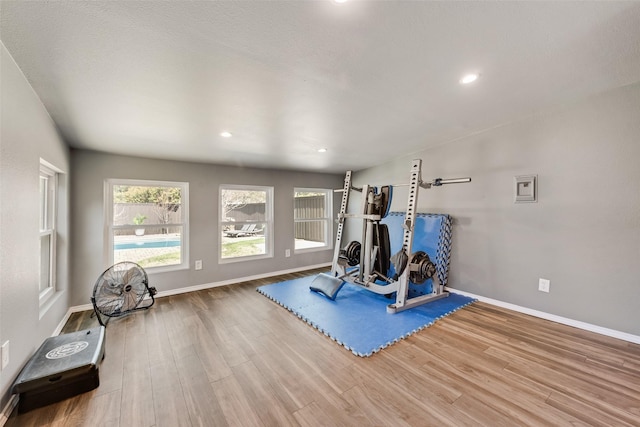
point(367, 80)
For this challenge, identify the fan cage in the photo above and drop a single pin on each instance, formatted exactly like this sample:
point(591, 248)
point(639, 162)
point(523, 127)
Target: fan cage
point(120, 290)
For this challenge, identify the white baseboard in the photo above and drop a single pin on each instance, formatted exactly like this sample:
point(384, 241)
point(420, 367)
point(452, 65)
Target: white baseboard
point(85, 307)
point(536, 313)
point(62, 322)
point(558, 319)
point(237, 280)
point(8, 408)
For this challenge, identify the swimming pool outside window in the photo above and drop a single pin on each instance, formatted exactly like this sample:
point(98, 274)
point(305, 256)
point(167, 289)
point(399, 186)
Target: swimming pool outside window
point(147, 223)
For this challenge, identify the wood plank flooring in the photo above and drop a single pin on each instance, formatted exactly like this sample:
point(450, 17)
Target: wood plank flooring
point(230, 356)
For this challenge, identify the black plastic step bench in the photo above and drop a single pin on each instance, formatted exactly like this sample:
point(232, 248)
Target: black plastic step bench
point(63, 366)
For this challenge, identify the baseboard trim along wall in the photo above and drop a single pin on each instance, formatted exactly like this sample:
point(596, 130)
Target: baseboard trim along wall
point(558, 319)
point(554, 318)
point(85, 307)
point(238, 280)
point(8, 408)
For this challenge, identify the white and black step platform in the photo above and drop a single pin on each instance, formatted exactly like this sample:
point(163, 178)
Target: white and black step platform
point(63, 366)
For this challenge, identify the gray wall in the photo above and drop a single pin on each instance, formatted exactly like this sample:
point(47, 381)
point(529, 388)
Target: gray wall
point(584, 232)
point(27, 133)
point(90, 169)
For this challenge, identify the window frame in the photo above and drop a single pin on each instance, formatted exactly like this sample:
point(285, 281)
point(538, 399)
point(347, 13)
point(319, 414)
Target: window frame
point(109, 226)
point(48, 226)
point(268, 221)
point(328, 208)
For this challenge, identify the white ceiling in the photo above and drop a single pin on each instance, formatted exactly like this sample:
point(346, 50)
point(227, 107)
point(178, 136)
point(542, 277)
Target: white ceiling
point(368, 80)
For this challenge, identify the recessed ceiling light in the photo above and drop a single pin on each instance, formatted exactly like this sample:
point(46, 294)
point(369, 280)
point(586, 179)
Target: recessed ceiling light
point(469, 78)
point(339, 1)
point(226, 134)
point(322, 150)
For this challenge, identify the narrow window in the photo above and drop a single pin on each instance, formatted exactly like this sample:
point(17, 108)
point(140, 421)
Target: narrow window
point(246, 222)
point(147, 223)
point(48, 232)
point(312, 210)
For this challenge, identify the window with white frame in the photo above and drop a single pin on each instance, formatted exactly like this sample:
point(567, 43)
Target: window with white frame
point(147, 222)
point(246, 222)
point(48, 232)
point(312, 212)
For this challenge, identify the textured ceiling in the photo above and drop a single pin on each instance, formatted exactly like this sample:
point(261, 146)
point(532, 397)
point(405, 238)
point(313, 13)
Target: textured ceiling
point(368, 81)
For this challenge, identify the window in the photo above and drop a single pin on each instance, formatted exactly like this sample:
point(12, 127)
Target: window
point(147, 223)
point(246, 222)
point(48, 233)
point(312, 210)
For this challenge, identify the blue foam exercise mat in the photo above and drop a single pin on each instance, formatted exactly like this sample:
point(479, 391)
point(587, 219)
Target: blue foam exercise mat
point(431, 235)
point(358, 319)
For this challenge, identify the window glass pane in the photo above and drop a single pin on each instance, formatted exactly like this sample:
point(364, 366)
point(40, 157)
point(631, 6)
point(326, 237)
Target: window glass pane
point(246, 240)
point(148, 250)
point(310, 234)
point(43, 202)
point(311, 215)
point(45, 262)
point(243, 205)
point(309, 205)
point(147, 226)
point(245, 221)
point(147, 205)
point(47, 226)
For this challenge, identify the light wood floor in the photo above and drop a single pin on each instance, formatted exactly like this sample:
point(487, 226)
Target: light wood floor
point(230, 356)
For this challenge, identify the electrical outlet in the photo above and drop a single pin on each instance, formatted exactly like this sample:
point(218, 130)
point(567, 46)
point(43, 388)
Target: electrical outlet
point(287, 253)
point(543, 285)
point(5, 354)
point(198, 264)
